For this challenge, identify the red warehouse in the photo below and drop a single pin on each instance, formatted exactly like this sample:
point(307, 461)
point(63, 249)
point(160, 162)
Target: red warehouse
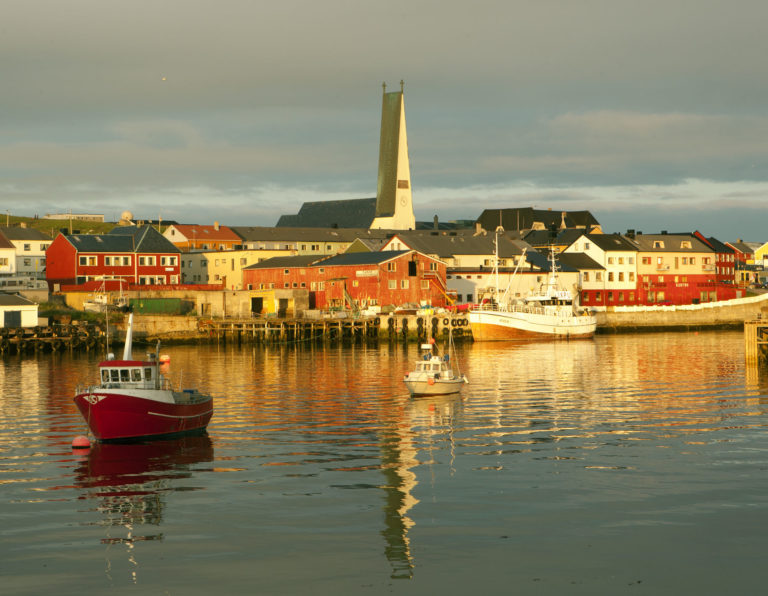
point(137, 255)
point(389, 278)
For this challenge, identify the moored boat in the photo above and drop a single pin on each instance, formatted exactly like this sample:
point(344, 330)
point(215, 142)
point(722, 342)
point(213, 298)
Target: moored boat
point(548, 313)
point(134, 400)
point(433, 374)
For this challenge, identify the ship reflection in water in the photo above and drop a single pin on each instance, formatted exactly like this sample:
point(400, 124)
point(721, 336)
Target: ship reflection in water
point(129, 484)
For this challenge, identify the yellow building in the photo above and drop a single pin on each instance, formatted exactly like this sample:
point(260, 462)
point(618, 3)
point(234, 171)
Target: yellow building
point(224, 266)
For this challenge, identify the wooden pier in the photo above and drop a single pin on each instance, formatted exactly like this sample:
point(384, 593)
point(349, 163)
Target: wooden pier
point(395, 328)
point(51, 338)
point(756, 340)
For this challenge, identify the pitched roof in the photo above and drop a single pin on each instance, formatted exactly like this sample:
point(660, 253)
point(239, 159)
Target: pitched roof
point(362, 258)
point(352, 213)
point(564, 237)
point(670, 243)
point(610, 242)
point(285, 262)
point(133, 239)
point(19, 233)
point(448, 244)
point(577, 261)
point(4, 242)
point(525, 218)
point(307, 234)
point(14, 300)
point(203, 233)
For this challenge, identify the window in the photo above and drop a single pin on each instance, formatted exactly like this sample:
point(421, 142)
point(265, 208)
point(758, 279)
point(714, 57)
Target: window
point(621, 276)
point(658, 244)
point(586, 276)
point(147, 260)
point(631, 260)
point(168, 261)
point(598, 276)
point(392, 285)
point(685, 244)
point(621, 260)
point(610, 276)
point(27, 247)
point(692, 260)
point(685, 260)
point(433, 266)
point(391, 266)
point(646, 260)
point(424, 284)
point(403, 284)
point(631, 276)
point(586, 246)
point(126, 261)
point(610, 260)
point(355, 283)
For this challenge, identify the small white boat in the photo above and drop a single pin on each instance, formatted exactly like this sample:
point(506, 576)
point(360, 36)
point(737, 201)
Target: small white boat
point(433, 374)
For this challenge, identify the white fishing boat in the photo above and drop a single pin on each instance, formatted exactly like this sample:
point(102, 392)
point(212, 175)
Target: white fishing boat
point(550, 312)
point(433, 374)
point(102, 301)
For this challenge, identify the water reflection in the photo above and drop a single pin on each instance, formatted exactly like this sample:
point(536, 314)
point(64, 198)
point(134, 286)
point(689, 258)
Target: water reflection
point(129, 485)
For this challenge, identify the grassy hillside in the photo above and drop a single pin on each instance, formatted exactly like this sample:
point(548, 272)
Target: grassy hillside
point(52, 226)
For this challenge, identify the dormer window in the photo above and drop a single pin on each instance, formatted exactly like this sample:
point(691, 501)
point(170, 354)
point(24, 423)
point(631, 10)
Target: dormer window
point(685, 244)
point(658, 244)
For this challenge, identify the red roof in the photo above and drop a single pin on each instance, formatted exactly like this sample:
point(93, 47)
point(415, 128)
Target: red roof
point(203, 233)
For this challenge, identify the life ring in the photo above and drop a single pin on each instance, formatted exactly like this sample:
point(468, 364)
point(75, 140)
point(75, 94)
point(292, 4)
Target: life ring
point(455, 323)
point(446, 322)
point(434, 321)
point(458, 332)
point(430, 381)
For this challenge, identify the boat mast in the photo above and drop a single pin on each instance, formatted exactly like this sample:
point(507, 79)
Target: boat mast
point(128, 339)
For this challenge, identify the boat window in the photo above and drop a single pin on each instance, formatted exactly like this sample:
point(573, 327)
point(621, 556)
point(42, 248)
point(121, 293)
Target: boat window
point(136, 374)
point(148, 374)
point(125, 374)
point(104, 375)
point(115, 375)
point(435, 367)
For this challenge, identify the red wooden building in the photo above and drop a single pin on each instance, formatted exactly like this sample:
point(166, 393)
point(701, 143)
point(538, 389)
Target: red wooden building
point(137, 255)
point(389, 278)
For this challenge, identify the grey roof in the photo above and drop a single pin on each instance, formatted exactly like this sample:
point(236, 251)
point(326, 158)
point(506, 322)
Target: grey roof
point(133, 239)
point(352, 213)
point(578, 261)
point(447, 244)
point(544, 237)
point(672, 243)
point(14, 300)
point(609, 242)
point(526, 217)
point(285, 262)
point(308, 234)
point(361, 258)
point(17, 233)
point(742, 247)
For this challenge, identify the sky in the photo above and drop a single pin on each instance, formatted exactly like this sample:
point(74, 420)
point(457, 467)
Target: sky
point(653, 115)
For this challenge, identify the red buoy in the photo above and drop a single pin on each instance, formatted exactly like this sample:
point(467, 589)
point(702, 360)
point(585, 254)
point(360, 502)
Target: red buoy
point(81, 442)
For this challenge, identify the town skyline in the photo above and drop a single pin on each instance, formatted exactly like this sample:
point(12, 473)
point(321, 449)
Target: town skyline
point(650, 116)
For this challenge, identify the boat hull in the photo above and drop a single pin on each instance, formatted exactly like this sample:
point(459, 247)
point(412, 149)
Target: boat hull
point(501, 325)
point(438, 387)
point(114, 416)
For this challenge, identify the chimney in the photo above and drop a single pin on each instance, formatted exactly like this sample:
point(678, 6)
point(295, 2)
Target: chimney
point(631, 234)
point(216, 225)
point(435, 225)
point(562, 220)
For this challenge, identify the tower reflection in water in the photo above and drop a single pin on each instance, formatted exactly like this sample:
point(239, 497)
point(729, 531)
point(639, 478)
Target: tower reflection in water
point(427, 424)
point(129, 484)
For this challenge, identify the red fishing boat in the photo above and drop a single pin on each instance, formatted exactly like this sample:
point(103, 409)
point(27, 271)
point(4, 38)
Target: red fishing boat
point(135, 401)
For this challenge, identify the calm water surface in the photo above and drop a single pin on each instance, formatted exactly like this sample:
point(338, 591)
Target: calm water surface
point(624, 464)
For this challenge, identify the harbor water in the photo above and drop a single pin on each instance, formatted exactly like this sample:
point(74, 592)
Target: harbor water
point(624, 464)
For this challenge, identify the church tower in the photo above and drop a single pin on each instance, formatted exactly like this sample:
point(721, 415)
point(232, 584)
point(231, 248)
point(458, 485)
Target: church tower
point(394, 202)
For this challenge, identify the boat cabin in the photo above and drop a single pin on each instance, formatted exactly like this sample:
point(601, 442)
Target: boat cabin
point(129, 373)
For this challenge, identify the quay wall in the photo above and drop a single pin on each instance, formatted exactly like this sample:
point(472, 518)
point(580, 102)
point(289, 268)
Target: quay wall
point(730, 313)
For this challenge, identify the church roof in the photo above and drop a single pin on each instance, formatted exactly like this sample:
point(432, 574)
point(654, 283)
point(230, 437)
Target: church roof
point(352, 213)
